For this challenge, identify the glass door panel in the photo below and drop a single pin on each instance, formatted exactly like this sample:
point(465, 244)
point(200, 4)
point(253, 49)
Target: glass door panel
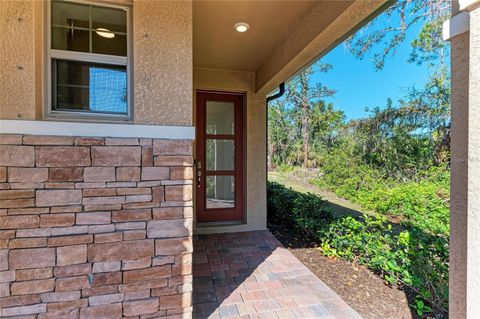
point(220, 118)
point(220, 192)
point(220, 155)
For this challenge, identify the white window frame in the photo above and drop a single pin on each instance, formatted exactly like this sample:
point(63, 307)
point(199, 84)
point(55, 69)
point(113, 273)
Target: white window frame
point(86, 57)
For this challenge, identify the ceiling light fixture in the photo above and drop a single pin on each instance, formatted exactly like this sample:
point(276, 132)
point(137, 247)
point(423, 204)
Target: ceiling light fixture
point(105, 33)
point(241, 26)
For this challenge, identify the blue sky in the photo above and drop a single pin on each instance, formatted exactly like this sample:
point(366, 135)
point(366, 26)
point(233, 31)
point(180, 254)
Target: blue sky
point(359, 85)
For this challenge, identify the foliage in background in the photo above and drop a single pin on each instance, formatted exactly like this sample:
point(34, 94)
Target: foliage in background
point(423, 204)
point(410, 137)
point(304, 114)
point(398, 137)
point(395, 161)
point(382, 40)
point(400, 140)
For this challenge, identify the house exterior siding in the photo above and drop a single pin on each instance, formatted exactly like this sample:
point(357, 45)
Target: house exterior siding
point(162, 37)
point(95, 227)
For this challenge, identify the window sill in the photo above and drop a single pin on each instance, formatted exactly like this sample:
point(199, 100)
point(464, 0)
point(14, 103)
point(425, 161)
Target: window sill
point(87, 117)
point(96, 129)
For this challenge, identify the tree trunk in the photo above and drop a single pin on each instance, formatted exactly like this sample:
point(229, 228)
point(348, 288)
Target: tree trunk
point(305, 107)
point(305, 138)
point(271, 151)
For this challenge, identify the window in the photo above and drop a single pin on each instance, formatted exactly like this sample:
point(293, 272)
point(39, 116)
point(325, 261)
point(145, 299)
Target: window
point(88, 60)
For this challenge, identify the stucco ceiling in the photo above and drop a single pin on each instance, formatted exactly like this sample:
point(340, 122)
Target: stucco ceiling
point(217, 45)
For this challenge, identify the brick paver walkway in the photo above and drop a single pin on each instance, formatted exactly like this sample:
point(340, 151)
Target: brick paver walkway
point(251, 275)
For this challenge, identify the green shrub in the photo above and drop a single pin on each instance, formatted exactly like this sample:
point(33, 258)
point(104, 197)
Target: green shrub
point(411, 257)
point(310, 213)
point(422, 202)
point(414, 257)
point(280, 203)
point(286, 206)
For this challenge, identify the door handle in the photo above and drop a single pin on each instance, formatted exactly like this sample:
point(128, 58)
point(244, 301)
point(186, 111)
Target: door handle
point(199, 173)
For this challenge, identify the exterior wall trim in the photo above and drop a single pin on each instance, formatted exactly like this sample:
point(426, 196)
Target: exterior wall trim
point(58, 128)
point(468, 5)
point(457, 25)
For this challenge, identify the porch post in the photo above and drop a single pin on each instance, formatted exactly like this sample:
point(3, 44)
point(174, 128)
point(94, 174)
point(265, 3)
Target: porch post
point(463, 30)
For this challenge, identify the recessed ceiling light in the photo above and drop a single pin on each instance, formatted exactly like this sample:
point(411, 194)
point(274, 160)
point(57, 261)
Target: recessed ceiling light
point(105, 33)
point(241, 26)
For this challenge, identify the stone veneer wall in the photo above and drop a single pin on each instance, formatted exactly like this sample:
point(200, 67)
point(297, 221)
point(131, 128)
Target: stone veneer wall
point(95, 227)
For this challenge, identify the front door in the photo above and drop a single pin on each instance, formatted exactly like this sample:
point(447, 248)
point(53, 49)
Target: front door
point(219, 157)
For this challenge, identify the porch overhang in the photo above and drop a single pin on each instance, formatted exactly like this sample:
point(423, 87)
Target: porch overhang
point(284, 36)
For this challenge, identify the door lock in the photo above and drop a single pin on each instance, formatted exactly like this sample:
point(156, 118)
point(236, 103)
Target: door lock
point(199, 173)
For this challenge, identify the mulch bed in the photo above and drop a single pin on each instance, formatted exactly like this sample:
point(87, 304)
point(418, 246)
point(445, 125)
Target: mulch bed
point(362, 289)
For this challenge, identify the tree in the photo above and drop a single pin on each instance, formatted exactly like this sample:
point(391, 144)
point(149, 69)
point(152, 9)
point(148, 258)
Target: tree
point(382, 40)
point(301, 96)
point(399, 138)
point(325, 126)
point(278, 133)
point(424, 116)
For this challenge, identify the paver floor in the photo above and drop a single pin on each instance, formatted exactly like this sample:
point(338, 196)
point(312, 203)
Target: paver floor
point(251, 275)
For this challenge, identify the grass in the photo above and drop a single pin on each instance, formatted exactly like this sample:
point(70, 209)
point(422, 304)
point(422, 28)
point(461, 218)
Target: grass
point(299, 182)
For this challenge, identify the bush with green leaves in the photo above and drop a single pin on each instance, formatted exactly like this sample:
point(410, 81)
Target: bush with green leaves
point(421, 200)
point(286, 206)
point(408, 256)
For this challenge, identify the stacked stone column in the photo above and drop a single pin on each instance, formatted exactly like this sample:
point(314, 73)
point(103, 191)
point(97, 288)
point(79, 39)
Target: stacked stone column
point(95, 227)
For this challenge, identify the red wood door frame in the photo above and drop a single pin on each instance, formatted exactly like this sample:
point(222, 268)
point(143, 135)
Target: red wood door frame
point(235, 213)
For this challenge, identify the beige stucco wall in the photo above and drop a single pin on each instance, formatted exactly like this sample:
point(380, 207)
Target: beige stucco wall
point(17, 60)
point(459, 176)
point(162, 61)
point(255, 141)
point(473, 230)
point(464, 277)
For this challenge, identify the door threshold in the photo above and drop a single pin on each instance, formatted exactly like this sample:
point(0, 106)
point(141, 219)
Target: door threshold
point(220, 223)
